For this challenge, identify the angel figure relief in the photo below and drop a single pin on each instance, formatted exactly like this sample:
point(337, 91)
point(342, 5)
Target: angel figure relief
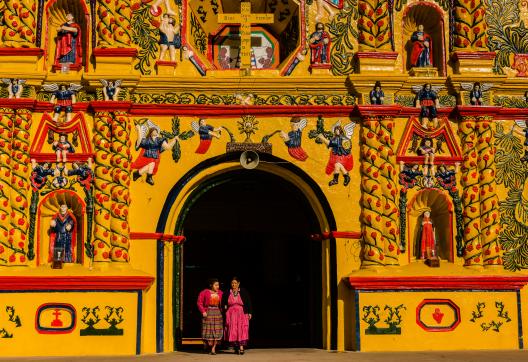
point(476, 92)
point(152, 144)
point(427, 100)
point(206, 133)
point(111, 89)
point(14, 87)
point(64, 98)
point(339, 141)
point(293, 138)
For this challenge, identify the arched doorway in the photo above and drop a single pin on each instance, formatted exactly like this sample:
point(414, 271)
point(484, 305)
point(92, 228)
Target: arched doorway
point(255, 225)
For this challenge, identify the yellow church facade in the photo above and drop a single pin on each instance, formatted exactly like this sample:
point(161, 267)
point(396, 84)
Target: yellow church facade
point(361, 165)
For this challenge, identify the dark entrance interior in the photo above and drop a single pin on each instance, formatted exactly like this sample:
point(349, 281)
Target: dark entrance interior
point(256, 225)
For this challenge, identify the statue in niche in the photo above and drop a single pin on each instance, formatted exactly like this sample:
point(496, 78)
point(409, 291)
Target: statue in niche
point(320, 45)
point(476, 92)
point(427, 151)
point(62, 148)
point(376, 94)
point(426, 248)
point(422, 51)
point(69, 44)
point(427, 100)
point(63, 98)
point(111, 89)
point(152, 145)
point(169, 37)
point(14, 87)
point(62, 236)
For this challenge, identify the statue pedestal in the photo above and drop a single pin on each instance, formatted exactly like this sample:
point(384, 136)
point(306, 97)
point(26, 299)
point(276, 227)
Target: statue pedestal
point(473, 62)
point(321, 69)
point(108, 60)
point(164, 67)
point(426, 72)
point(17, 60)
point(432, 262)
point(376, 62)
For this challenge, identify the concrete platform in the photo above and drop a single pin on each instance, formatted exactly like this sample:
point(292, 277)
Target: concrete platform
point(298, 355)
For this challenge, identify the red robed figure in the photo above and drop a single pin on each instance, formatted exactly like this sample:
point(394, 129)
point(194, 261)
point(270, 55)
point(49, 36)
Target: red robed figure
point(64, 45)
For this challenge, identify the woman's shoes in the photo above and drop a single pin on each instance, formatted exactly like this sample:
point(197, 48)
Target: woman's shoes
point(241, 352)
point(212, 353)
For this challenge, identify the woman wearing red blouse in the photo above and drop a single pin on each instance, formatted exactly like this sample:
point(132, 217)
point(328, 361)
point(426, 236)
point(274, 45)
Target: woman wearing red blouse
point(212, 321)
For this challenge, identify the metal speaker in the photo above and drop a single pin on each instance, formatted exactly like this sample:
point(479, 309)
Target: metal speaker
point(249, 160)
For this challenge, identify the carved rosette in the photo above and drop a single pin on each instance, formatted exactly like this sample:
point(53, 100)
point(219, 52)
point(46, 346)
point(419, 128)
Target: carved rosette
point(120, 188)
point(19, 28)
point(388, 190)
point(122, 28)
point(19, 187)
point(372, 195)
point(374, 25)
point(470, 195)
point(6, 125)
point(489, 202)
point(105, 23)
point(470, 27)
point(103, 185)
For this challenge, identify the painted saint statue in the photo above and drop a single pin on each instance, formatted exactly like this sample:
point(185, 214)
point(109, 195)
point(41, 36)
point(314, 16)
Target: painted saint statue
point(340, 145)
point(206, 133)
point(62, 240)
point(320, 45)
point(293, 138)
point(69, 43)
point(427, 239)
point(422, 51)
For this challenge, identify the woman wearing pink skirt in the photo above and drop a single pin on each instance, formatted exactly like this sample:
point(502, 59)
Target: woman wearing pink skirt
point(237, 305)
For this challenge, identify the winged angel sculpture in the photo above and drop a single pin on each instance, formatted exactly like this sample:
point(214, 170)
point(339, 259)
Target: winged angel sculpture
point(14, 87)
point(427, 100)
point(476, 92)
point(63, 97)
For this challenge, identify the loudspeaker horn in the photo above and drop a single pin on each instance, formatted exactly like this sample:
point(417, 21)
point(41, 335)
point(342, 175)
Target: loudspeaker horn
point(249, 159)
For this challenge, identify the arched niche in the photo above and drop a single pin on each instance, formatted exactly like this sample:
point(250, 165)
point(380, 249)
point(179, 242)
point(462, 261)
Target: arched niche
point(432, 18)
point(47, 209)
point(55, 16)
point(442, 217)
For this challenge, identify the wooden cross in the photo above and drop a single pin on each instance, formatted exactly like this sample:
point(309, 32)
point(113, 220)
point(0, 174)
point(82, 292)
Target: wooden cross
point(245, 19)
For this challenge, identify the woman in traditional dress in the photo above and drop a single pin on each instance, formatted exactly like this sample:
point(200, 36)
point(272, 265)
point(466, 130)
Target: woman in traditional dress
point(212, 321)
point(237, 305)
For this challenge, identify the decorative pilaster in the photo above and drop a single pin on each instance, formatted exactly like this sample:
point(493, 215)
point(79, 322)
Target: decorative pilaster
point(120, 188)
point(19, 18)
point(122, 29)
point(103, 184)
point(105, 24)
point(20, 187)
point(489, 202)
point(470, 28)
point(372, 195)
point(471, 195)
point(6, 124)
point(388, 189)
point(374, 26)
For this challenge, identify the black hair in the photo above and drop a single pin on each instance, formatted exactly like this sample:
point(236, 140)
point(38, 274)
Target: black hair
point(236, 278)
point(212, 281)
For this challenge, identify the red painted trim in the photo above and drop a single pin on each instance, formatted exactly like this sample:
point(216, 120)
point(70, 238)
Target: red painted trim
point(20, 103)
point(462, 111)
point(337, 235)
point(439, 160)
point(6, 52)
point(110, 283)
point(473, 55)
point(167, 63)
point(52, 157)
point(377, 55)
point(321, 66)
point(450, 282)
point(513, 114)
point(177, 239)
point(369, 110)
point(115, 52)
point(65, 306)
point(237, 110)
point(110, 106)
point(438, 301)
point(41, 106)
